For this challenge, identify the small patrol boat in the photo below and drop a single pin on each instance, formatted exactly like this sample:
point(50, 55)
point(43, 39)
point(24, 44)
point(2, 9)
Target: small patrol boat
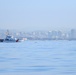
point(10, 38)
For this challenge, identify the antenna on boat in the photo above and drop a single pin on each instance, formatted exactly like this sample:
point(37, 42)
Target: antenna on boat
point(7, 32)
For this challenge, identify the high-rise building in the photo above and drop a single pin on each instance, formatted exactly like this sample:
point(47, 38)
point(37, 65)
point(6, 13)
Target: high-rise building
point(72, 34)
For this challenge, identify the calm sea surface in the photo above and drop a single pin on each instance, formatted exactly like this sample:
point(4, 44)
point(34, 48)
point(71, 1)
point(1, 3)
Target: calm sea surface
point(38, 58)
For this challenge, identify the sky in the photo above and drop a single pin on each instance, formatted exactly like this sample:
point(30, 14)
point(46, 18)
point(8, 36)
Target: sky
point(31, 15)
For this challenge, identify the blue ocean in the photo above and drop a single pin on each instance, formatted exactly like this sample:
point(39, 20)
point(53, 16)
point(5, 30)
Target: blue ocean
point(38, 58)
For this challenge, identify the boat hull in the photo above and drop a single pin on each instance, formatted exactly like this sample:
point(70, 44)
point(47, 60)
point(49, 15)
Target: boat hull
point(1, 40)
point(11, 40)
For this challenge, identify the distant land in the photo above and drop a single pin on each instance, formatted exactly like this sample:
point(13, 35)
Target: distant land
point(41, 35)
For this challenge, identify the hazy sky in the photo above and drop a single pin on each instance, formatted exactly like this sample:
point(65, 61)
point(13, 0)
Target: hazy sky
point(32, 15)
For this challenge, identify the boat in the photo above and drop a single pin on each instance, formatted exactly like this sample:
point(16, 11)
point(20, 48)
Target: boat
point(22, 39)
point(10, 38)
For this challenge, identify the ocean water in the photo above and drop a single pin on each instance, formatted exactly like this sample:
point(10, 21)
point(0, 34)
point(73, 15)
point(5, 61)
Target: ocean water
point(38, 58)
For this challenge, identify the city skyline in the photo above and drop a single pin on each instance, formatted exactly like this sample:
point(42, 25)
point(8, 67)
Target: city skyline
point(41, 35)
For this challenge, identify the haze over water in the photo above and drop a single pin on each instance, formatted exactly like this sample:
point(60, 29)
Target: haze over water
point(31, 15)
point(38, 58)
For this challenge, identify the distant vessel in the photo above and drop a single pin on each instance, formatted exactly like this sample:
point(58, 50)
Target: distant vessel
point(10, 38)
point(23, 39)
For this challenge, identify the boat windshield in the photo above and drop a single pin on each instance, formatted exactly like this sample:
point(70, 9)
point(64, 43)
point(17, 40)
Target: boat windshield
point(8, 36)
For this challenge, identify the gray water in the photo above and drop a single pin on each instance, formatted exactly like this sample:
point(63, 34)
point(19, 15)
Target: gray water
point(38, 58)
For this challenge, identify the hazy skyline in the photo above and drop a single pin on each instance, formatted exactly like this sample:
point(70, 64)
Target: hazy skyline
point(30, 15)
